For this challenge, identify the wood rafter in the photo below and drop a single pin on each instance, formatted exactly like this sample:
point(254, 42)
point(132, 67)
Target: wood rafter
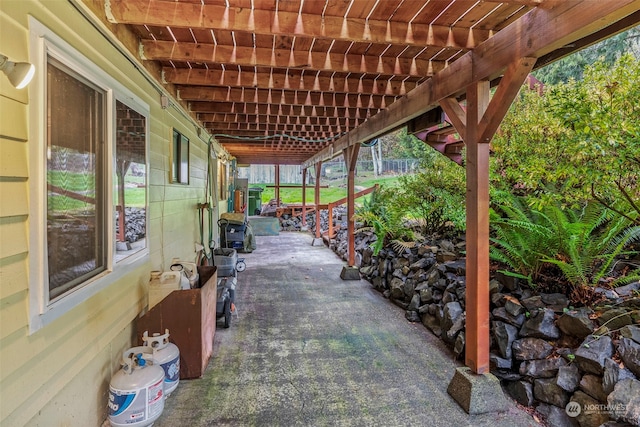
point(285, 97)
point(285, 23)
point(537, 33)
point(291, 80)
point(281, 109)
point(284, 59)
point(380, 63)
point(289, 129)
point(278, 119)
point(272, 134)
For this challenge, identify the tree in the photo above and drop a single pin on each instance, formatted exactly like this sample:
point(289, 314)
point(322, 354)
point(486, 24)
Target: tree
point(408, 146)
point(607, 51)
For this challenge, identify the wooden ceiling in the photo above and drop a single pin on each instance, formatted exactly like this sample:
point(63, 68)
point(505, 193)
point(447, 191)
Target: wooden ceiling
point(278, 81)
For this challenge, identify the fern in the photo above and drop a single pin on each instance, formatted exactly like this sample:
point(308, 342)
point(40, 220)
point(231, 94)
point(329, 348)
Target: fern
point(378, 215)
point(401, 245)
point(629, 278)
point(590, 242)
point(520, 235)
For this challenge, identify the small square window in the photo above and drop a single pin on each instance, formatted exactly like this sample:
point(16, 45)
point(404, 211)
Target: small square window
point(180, 159)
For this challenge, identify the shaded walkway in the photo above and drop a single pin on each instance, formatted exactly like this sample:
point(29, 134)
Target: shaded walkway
point(310, 349)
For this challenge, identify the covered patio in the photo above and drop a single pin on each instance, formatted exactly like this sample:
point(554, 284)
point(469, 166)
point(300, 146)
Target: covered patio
point(308, 349)
point(301, 82)
point(221, 84)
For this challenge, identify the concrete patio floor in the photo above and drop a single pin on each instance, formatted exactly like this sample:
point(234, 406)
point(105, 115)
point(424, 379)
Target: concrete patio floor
point(309, 349)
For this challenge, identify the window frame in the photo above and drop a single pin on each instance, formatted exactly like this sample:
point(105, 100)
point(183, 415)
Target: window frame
point(180, 146)
point(142, 110)
point(44, 44)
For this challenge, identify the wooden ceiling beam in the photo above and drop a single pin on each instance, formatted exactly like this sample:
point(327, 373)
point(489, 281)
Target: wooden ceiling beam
point(283, 96)
point(535, 34)
point(247, 146)
point(280, 109)
point(260, 153)
point(289, 24)
point(266, 159)
point(278, 119)
point(158, 50)
point(221, 126)
point(290, 81)
point(316, 134)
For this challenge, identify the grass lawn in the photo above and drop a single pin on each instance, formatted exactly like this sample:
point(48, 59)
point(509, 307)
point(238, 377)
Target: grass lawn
point(337, 189)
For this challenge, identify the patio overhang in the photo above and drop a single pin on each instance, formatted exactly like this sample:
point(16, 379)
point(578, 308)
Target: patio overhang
point(302, 81)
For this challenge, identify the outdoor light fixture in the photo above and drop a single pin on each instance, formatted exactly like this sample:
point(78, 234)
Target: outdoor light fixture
point(18, 73)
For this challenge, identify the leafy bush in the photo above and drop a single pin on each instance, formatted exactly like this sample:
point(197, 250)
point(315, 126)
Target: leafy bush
point(378, 215)
point(435, 195)
point(583, 243)
point(579, 141)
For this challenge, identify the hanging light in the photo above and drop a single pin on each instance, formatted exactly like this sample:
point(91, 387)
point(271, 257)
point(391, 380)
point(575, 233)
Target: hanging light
point(18, 73)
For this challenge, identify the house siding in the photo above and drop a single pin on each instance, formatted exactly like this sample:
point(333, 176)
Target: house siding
point(59, 374)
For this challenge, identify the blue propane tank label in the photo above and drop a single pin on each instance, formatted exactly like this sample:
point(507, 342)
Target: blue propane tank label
point(128, 407)
point(171, 370)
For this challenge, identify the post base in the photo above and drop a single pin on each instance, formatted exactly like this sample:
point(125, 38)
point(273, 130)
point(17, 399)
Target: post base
point(317, 241)
point(477, 394)
point(350, 273)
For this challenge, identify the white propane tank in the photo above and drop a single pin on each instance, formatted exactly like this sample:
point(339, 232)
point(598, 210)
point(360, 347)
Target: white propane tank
point(136, 393)
point(167, 355)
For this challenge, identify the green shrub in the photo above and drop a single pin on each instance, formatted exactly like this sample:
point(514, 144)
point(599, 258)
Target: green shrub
point(435, 195)
point(577, 142)
point(377, 214)
point(590, 241)
point(583, 243)
point(521, 235)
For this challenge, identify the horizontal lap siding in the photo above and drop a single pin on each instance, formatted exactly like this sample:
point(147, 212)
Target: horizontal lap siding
point(59, 374)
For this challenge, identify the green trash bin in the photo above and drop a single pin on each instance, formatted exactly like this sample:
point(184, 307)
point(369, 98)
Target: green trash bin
point(255, 200)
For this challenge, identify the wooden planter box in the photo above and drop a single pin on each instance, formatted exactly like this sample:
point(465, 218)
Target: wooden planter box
point(190, 317)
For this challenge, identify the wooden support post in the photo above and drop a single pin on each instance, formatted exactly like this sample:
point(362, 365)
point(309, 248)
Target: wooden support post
point(330, 229)
point(477, 301)
point(304, 197)
point(277, 183)
point(477, 126)
point(316, 197)
point(350, 159)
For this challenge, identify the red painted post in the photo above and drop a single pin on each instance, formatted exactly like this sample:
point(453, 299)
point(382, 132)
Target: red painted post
point(304, 196)
point(351, 158)
point(477, 264)
point(277, 173)
point(330, 212)
point(316, 198)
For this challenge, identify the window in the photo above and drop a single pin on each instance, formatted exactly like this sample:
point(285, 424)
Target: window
point(88, 179)
point(76, 177)
point(180, 159)
point(131, 181)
